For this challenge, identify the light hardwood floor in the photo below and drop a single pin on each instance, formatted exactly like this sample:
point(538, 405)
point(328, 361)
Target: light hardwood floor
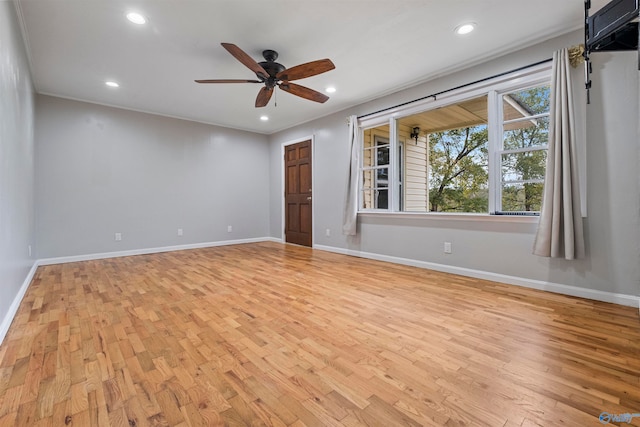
point(271, 334)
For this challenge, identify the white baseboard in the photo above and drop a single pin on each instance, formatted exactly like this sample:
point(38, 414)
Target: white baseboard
point(622, 299)
point(13, 309)
point(273, 239)
point(89, 257)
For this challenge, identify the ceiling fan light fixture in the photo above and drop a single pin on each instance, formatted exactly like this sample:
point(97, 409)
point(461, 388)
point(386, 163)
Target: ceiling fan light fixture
point(264, 118)
point(330, 89)
point(465, 28)
point(111, 83)
point(136, 18)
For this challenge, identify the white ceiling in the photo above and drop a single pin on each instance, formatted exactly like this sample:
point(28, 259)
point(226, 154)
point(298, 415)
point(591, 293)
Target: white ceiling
point(378, 47)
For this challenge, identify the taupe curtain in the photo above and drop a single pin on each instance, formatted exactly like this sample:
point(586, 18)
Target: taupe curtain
point(560, 233)
point(350, 215)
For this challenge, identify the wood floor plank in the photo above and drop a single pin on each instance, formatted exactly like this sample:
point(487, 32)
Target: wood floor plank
point(280, 335)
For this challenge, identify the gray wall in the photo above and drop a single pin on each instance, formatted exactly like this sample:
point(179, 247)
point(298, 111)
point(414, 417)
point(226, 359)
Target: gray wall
point(501, 246)
point(102, 170)
point(16, 159)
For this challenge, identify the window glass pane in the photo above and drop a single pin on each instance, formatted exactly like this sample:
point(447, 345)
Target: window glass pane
point(521, 197)
point(382, 199)
point(382, 177)
point(375, 198)
point(524, 131)
point(446, 158)
point(524, 166)
point(367, 178)
point(376, 146)
point(375, 184)
point(367, 197)
point(526, 102)
point(527, 133)
point(375, 173)
point(367, 157)
point(458, 170)
point(382, 155)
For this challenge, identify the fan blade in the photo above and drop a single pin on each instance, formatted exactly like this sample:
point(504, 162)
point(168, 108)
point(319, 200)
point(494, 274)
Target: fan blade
point(309, 69)
point(303, 92)
point(227, 81)
point(264, 96)
point(248, 62)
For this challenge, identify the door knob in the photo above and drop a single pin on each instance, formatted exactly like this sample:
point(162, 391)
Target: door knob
point(309, 198)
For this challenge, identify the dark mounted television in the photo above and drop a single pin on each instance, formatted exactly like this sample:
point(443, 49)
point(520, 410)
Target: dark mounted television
point(614, 27)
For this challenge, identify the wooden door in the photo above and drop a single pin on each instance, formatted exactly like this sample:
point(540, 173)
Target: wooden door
point(297, 193)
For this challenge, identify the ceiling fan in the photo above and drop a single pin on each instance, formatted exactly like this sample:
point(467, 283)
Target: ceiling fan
point(273, 74)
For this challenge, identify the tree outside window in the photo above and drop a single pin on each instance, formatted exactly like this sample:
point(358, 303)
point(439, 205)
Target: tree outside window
point(524, 150)
point(458, 170)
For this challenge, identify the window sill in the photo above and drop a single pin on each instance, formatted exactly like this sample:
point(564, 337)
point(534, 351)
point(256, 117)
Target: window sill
point(446, 216)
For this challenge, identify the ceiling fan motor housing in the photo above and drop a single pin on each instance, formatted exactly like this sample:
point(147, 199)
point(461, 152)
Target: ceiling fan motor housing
point(271, 67)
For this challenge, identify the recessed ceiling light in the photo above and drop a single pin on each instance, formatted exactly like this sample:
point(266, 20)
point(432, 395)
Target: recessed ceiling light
point(330, 89)
point(465, 28)
point(264, 118)
point(136, 18)
point(112, 84)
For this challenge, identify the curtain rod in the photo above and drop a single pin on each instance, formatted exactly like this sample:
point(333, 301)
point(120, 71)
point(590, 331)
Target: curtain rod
point(456, 88)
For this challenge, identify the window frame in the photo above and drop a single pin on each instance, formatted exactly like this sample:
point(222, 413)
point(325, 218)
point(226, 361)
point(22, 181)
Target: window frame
point(374, 168)
point(495, 202)
point(494, 88)
point(379, 145)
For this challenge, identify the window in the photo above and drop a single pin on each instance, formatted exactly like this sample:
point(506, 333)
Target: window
point(481, 149)
point(375, 169)
point(523, 154)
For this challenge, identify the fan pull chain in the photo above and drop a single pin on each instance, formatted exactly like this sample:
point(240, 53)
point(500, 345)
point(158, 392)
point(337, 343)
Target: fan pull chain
point(275, 100)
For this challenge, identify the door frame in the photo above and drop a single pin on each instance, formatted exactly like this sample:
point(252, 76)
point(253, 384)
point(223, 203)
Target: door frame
point(283, 206)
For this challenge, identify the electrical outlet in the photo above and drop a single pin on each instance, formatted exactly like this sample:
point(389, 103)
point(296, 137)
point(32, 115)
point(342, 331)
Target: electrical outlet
point(179, 231)
point(118, 237)
point(328, 232)
point(447, 247)
point(229, 229)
